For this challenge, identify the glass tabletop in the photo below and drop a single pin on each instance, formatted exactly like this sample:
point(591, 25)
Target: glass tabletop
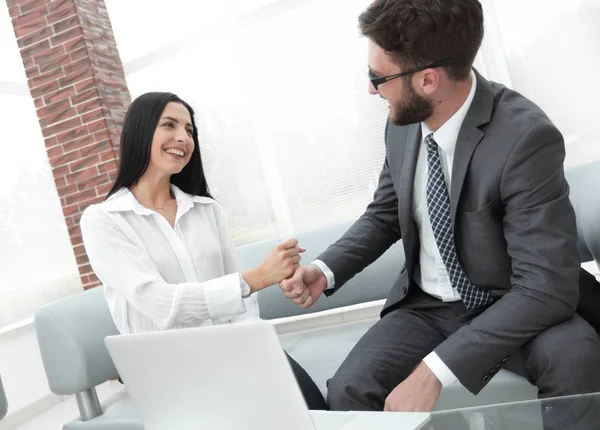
point(580, 412)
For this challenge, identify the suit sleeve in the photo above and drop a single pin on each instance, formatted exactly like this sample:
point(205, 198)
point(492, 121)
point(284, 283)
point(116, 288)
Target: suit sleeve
point(369, 237)
point(540, 231)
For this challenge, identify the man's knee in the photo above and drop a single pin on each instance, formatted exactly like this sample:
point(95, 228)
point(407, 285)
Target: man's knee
point(337, 397)
point(345, 393)
point(565, 359)
point(567, 343)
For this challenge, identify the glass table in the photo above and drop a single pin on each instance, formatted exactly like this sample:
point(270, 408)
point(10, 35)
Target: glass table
point(563, 413)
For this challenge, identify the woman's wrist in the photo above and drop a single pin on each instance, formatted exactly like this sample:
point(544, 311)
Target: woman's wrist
point(256, 279)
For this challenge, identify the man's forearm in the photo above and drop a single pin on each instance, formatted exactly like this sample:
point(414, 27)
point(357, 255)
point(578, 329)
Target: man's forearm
point(367, 239)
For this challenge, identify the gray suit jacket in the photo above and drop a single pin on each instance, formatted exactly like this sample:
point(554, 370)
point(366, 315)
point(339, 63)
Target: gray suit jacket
point(514, 227)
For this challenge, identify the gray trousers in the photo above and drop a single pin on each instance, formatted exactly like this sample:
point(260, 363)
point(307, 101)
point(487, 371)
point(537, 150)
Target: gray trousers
point(560, 361)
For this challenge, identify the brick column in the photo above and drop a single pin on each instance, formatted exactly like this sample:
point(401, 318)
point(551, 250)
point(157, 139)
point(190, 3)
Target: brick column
point(77, 83)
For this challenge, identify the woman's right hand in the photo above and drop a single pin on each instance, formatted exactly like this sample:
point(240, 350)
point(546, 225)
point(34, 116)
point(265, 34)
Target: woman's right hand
point(280, 263)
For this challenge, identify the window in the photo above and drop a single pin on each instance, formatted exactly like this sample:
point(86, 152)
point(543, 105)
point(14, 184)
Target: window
point(290, 137)
point(37, 264)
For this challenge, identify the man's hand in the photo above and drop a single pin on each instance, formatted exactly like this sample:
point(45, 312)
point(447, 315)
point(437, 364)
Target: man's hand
point(417, 393)
point(305, 286)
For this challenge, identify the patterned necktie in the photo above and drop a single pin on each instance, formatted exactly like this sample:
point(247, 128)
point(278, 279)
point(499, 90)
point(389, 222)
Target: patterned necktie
point(438, 207)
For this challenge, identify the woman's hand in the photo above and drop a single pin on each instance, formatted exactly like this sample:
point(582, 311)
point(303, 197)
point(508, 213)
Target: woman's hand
point(280, 263)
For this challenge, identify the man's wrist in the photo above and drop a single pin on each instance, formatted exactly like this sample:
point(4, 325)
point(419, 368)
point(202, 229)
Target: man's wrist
point(326, 271)
point(317, 266)
point(439, 369)
point(427, 374)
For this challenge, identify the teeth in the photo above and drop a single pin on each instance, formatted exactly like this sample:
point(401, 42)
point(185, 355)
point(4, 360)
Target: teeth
point(175, 152)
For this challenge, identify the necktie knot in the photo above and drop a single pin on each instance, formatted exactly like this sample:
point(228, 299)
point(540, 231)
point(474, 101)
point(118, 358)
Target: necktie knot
point(430, 143)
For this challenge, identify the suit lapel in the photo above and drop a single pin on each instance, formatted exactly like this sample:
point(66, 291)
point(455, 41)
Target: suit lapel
point(480, 112)
point(468, 137)
point(407, 178)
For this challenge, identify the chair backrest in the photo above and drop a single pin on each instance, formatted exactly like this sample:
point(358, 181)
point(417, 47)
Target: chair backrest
point(3, 403)
point(584, 182)
point(71, 333)
point(373, 283)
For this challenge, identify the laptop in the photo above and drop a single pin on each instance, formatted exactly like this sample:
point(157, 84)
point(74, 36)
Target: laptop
point(226, 377)
point(221, 377)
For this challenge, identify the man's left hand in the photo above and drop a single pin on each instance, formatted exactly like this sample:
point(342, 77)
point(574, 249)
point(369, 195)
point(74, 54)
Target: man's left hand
point(417, 393)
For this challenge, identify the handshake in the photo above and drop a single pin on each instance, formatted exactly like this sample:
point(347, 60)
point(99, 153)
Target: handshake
point(301, 284)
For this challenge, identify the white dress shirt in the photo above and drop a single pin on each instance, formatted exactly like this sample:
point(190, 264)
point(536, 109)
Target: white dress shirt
point(158, 277)
point(432, 275)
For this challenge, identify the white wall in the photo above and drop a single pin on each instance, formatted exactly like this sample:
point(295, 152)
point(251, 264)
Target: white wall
point(23, 374)
point(552, 49)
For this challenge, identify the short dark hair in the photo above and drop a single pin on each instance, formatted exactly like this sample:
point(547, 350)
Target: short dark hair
point(139, 126)
point(420, 32)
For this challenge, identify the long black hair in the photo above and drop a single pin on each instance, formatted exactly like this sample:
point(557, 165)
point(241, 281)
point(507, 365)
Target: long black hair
point(140, 123)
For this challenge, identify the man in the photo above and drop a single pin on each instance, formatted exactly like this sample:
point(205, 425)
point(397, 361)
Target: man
point(473, 184)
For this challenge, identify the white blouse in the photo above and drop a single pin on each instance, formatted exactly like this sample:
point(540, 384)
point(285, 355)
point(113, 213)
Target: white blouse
point(157, 277)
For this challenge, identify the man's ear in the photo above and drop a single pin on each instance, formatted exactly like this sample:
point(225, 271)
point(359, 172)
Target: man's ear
point(428, 80)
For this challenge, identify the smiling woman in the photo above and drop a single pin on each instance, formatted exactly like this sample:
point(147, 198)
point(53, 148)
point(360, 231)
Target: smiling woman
point(173, 140)
point(159, 124)
point(160, 244)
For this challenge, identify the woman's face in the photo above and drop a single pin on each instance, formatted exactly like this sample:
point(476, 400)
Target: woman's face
point(172, 143)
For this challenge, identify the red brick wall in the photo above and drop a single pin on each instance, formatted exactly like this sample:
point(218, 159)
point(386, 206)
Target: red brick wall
point(77, 83)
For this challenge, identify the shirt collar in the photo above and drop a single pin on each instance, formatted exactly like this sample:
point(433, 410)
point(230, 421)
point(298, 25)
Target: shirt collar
point(447, 135)
point(124, 200)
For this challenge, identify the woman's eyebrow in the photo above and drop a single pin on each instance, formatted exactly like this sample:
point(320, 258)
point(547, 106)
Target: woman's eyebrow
point(176, 120)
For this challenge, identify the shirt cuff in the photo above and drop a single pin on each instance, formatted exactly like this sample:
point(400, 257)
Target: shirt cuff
point(327, 272)
point(439, 369)
point(224, 296)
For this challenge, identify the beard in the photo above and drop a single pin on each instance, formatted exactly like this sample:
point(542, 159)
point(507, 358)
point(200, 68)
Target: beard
point(412, 109)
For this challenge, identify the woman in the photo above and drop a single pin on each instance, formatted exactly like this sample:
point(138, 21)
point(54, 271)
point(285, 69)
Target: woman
point(159, 242)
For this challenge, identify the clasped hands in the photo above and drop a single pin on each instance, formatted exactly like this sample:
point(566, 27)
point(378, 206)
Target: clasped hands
point(417, 393)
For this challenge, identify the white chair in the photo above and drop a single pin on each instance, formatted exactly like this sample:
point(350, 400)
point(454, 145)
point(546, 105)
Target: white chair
point(3, 403)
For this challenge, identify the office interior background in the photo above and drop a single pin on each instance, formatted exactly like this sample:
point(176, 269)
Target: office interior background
point(290, 137)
